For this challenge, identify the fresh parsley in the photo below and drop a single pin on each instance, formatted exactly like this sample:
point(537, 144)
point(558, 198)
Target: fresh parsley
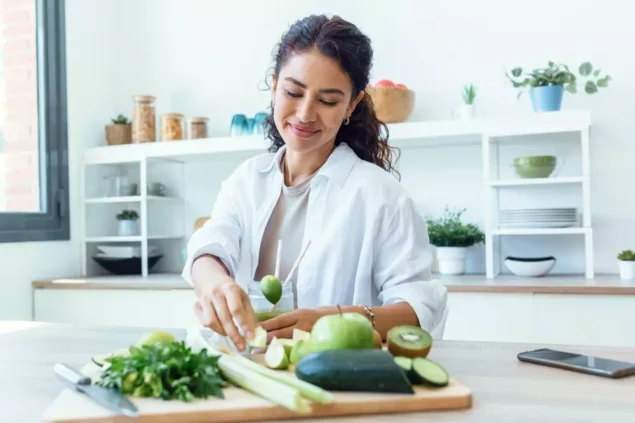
point(164, 370)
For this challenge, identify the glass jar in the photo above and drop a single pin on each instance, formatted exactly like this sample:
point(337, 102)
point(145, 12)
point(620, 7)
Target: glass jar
point(143, 119)
point(263, 308)
point(171, 126)
point(197, 127)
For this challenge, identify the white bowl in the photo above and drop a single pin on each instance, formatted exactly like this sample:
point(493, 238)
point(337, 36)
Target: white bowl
point(530, 267)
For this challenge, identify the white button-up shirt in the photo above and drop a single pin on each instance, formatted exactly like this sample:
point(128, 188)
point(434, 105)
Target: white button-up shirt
point(369, 244)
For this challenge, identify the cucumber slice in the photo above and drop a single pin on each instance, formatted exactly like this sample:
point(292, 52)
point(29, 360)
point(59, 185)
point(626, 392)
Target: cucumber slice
point(430, 371)
point(276, 357)
point(406, 364)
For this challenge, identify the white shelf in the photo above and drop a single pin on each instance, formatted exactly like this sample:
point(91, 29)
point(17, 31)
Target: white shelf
point(403, 135)
point(538, 181)
point(136, 238)
point(131, 199)
point(542, 231)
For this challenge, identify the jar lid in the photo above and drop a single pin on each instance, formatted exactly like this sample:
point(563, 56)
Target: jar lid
point(198, 119)
point(172, 115)
point(144, 98)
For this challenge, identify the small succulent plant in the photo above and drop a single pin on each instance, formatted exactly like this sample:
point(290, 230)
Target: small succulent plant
point(128, 215)
point(120, 120)
point(469, 94)
point(626, 255)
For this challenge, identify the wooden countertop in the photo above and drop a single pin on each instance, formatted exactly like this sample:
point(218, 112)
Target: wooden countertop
point(556, 284)
point(504, 389)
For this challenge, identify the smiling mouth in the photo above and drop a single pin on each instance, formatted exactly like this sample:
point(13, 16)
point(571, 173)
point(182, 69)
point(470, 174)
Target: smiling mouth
point(302, 132)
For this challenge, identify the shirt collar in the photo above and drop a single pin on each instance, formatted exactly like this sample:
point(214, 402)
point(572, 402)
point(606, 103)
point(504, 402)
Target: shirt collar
point(337, 166)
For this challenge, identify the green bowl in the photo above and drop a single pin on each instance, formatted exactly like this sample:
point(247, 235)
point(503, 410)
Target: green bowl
point(535, 166)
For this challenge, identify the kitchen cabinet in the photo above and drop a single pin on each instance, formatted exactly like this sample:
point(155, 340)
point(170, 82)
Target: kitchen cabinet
point(116, 307)
point(498, 313)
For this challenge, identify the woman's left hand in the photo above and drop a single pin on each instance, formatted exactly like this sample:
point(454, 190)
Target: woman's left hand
point(282, 326)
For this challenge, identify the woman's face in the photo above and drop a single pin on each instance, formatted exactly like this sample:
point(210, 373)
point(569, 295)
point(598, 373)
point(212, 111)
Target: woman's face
point(312, 98)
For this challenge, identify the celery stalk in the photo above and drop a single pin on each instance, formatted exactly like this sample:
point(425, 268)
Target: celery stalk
point(263, 386)
point(307, 390)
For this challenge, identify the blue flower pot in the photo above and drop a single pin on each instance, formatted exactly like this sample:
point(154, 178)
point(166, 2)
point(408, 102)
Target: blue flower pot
point(547, 98)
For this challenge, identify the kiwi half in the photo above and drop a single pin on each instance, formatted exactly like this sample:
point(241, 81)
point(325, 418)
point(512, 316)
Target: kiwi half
point(408, 341)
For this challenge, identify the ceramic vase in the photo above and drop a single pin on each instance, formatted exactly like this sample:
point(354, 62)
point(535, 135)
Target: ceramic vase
point(451, 260)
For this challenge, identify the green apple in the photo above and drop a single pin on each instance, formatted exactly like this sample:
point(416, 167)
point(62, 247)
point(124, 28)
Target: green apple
point(155, 337)
point(342, 331)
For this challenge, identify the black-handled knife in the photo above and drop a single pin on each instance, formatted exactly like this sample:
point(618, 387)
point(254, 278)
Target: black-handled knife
point(108, 398)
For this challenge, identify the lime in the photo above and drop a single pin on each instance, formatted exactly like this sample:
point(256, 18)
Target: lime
point(155, 337)
point(271, 288)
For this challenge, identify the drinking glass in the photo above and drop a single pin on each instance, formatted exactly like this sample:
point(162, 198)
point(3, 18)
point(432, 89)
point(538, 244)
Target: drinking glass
point(262, 306)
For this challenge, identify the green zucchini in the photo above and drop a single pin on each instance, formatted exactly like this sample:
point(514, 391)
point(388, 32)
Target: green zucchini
point(361, 370)
point(431, 372)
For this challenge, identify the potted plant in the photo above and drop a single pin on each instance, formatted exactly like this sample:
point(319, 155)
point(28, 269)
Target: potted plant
point(128, 225)
point(452, 238)
point(626, 261)
point(466, 110)
point(547, 85)
point(119, 132)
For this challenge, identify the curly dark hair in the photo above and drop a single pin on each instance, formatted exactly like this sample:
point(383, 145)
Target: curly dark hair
point(340, 40)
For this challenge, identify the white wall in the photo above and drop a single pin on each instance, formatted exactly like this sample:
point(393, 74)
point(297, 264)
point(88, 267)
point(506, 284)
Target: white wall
point(89, 50)
point(211, 58)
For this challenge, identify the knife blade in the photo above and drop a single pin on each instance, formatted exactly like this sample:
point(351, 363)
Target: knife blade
point(108, 398)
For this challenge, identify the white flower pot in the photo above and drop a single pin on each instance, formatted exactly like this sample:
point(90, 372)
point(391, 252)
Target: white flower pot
point(627, 270)
point(465, 111)
point(128, 228)
point(451, 260)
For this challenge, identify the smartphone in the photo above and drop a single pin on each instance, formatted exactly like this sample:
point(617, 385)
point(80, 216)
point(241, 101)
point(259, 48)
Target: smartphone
point(578, 363)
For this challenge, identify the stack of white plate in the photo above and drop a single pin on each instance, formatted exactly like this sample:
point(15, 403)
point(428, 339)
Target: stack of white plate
point(538, 218)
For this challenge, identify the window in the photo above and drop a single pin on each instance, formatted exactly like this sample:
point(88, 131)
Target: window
point(33, 134)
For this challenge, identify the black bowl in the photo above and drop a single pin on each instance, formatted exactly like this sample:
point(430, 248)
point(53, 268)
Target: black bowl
point(125, 266)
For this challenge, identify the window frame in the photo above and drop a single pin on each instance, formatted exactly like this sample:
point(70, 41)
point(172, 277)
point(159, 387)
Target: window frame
point(53, 223)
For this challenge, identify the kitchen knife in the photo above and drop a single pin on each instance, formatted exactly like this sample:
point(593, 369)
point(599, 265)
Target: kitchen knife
point(108, 398)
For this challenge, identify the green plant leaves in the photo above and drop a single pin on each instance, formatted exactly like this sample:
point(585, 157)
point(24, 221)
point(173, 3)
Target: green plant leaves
point(585, 69)
point(604, 82)
point(626, 255)
point(559, 74)
point(449, 231)
point(166, 371)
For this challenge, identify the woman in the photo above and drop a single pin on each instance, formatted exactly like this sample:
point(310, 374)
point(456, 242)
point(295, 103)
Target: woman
point(326, 180)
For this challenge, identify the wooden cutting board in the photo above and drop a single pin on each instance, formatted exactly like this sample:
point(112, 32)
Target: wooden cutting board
point(241, 406)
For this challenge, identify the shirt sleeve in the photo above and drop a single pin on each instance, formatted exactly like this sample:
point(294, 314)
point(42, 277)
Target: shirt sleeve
point(221, 235)
point(403, 259)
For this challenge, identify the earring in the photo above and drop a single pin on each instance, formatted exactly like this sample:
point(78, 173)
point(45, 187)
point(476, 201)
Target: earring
point(347, 120)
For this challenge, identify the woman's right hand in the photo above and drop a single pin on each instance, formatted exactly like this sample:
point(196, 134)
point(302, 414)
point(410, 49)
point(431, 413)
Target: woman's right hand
point(219, 304)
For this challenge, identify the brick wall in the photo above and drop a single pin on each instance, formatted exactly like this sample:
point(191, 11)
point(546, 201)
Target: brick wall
point(19, 162)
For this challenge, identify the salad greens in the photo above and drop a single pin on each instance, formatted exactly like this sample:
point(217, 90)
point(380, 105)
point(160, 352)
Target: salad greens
point(167, 370)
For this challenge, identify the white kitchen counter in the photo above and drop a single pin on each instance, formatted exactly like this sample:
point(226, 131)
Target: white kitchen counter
point(554, 309)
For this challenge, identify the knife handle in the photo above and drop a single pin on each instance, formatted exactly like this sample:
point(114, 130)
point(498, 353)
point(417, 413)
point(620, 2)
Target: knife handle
point(71, 375)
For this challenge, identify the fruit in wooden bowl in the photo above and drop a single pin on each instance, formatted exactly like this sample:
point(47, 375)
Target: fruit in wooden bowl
point(393, 102)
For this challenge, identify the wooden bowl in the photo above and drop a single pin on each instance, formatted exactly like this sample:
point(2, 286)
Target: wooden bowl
point(392, 105)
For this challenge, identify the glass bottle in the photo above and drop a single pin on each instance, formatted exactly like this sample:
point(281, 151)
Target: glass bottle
point(197, 127)
point(171, 126)
point(143, 119)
